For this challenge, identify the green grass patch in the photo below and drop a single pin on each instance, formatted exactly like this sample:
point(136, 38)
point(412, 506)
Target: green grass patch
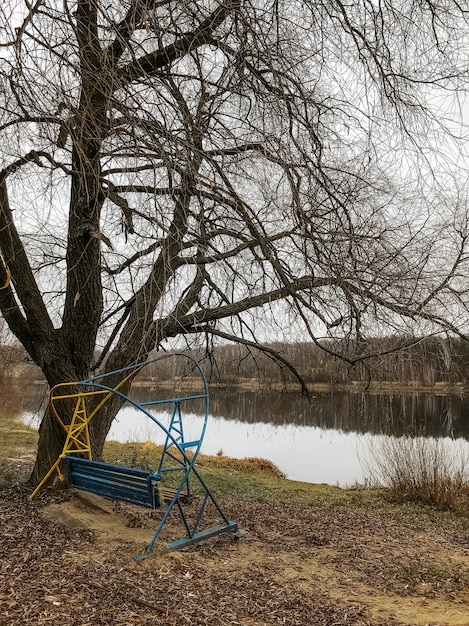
point(249, 479)
point(16, 437)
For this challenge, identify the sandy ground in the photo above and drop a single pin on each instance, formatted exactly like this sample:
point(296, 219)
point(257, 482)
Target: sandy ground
point(67, 560)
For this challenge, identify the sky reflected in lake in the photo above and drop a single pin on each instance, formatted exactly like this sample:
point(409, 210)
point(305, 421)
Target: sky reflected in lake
point(303, 453)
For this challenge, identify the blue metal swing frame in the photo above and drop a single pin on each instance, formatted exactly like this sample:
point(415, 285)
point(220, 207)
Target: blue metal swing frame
point(138, 486)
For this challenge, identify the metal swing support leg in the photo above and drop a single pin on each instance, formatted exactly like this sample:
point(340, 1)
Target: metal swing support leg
point(193, 534)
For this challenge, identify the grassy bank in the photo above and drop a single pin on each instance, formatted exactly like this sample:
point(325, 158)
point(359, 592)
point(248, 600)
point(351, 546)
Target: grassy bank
point(248, 480)
point(17, 449)
point(312, 554)
point(14, 437)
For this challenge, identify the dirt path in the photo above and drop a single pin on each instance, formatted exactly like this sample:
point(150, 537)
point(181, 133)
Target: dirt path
point(67, 561)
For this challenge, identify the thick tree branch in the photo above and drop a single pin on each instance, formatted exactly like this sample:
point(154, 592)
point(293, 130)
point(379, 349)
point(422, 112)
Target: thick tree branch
point(15, 260)
point(151, 64)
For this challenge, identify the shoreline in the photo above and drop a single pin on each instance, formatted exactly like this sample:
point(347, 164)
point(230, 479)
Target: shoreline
point(373, 388)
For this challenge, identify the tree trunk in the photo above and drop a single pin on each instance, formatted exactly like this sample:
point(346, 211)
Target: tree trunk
point(84, 299)
point(51, 434)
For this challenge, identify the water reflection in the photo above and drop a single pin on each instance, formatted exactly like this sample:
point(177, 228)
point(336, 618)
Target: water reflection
point(326, 439)
point(304, 453)
point(416, 414)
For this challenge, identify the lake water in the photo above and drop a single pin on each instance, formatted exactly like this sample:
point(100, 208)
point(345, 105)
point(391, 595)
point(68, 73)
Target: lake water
point(305, 453)
point(325, 440)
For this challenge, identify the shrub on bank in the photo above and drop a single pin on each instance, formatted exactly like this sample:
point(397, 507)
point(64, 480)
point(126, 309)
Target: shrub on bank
point(420, 469)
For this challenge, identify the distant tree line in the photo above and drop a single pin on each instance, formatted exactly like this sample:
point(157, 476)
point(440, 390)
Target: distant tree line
point(399, 359)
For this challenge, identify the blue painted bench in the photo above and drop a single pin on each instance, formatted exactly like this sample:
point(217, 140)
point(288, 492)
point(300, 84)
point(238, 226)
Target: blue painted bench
point(140, 487)
point(129, 484)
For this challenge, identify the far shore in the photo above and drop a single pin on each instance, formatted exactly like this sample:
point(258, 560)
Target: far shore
point(378, 387)
point(374, 387)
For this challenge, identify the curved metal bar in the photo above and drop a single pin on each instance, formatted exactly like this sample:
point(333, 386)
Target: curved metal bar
point(92, 382)
point(53, 398)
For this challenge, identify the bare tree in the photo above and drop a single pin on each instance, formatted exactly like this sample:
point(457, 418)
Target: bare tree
point(214, 168)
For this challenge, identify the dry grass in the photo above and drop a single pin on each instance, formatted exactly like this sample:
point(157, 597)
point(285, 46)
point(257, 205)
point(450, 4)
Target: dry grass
point(146, 455)
point(419, 469)
point(248, 464)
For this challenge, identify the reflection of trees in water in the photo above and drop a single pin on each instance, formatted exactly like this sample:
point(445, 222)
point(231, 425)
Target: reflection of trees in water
point(423, 414)
point(20, 396)
point(419, 414)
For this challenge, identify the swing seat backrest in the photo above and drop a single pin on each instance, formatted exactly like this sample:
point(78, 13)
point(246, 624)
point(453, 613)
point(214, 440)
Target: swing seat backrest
point(131, 485)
